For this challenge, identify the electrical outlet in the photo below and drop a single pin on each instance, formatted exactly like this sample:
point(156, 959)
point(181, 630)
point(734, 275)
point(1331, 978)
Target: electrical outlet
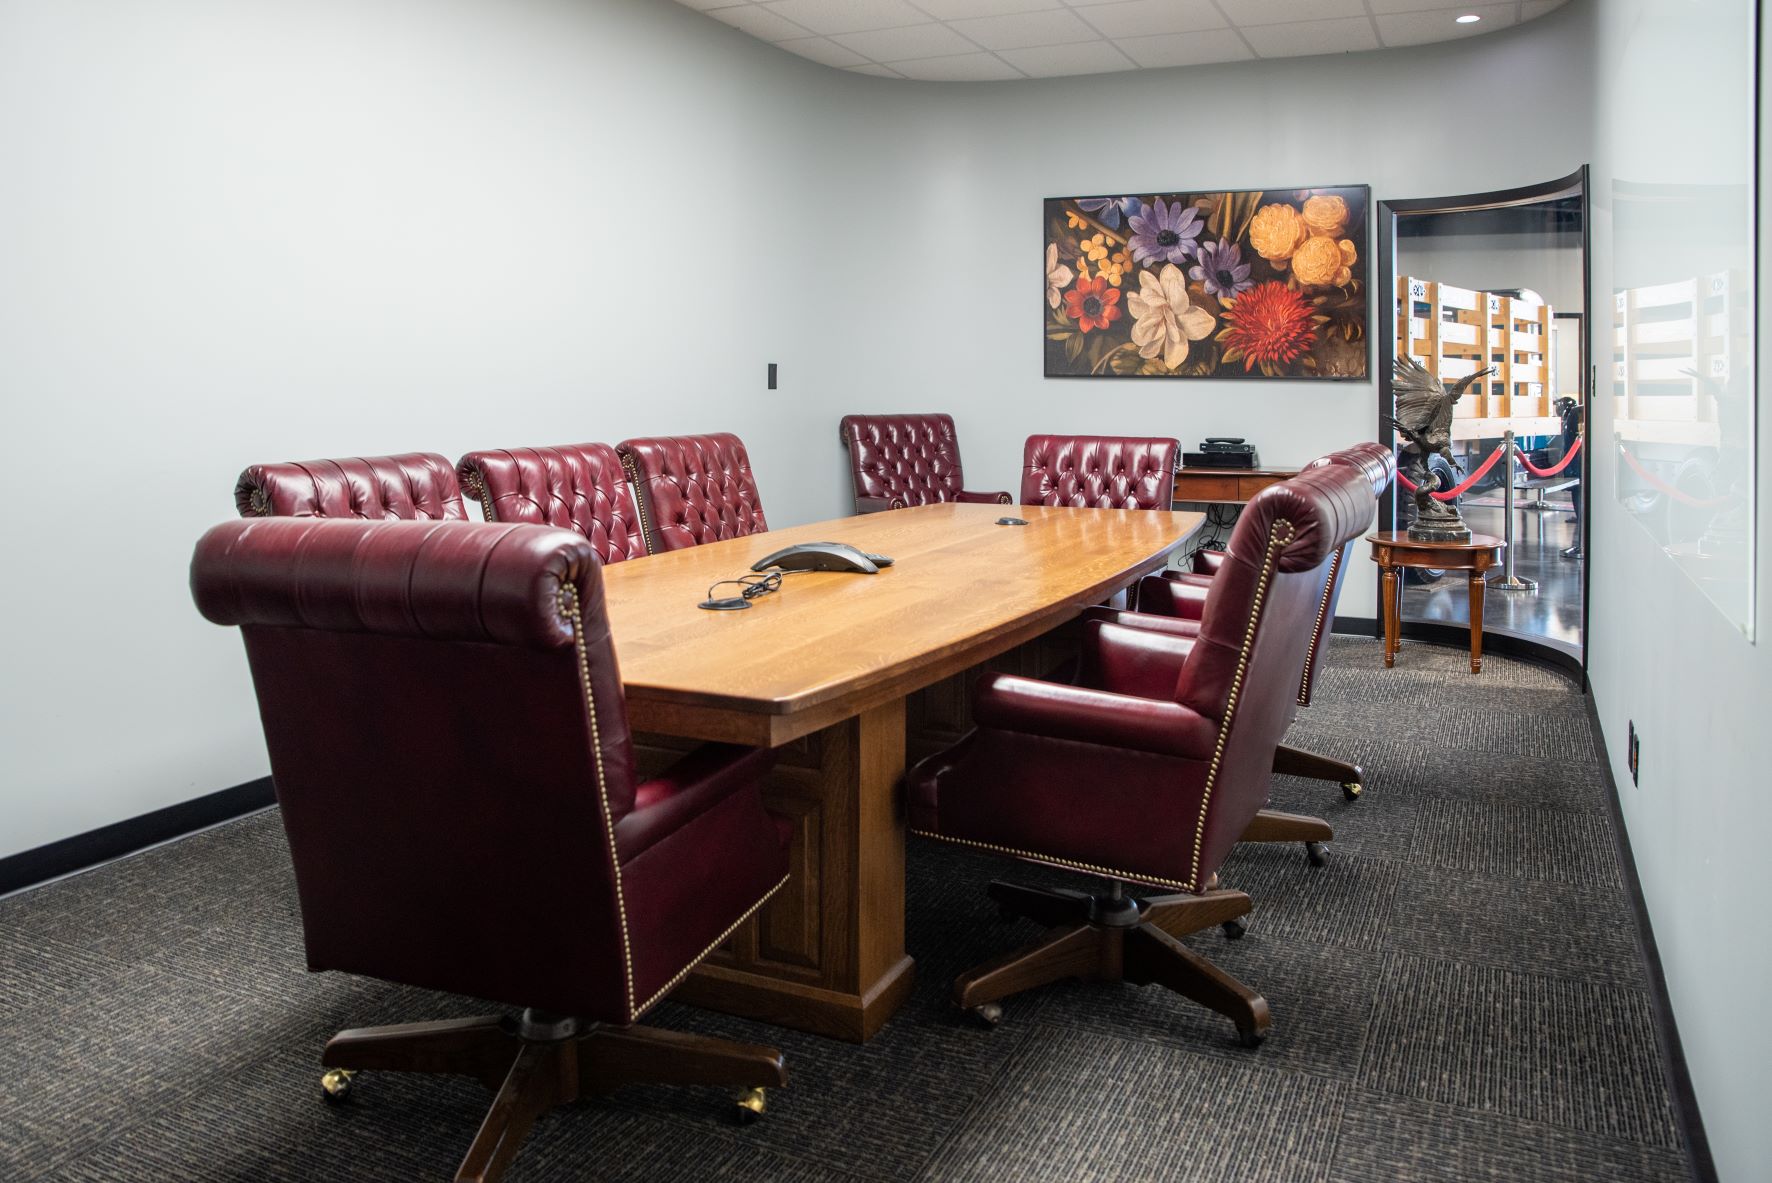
point(1633, 753)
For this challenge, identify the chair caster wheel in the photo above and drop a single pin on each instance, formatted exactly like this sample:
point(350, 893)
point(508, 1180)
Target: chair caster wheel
point(750, 1107)
point(1251, 1037)
point(1234, 929)
point(335, 1085)
point(1351, 789)
point(988, 1013)
point(1317, 853)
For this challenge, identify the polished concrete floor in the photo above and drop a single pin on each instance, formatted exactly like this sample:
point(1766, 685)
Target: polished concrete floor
point(1550, 615)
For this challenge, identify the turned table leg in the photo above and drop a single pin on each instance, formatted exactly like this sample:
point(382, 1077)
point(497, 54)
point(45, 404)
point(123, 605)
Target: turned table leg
point(1390, 617)
point(1476, 593)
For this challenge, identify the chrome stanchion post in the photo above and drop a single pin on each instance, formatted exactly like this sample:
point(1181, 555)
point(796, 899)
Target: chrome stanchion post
point(1505, 579)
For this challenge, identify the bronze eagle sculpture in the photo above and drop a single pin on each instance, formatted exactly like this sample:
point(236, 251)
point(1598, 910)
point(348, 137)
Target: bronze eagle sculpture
point(1422, 414)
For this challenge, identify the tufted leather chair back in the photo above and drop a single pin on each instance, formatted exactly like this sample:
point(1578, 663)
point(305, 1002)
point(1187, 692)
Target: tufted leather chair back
point(580, 487)
point(449, 743)
point(413, 486)
point(906, 459)
point(1256, 629)
point(1099, 472)
point(692, 489)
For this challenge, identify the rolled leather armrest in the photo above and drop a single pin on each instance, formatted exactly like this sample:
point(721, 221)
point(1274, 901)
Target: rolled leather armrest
point(983, 498)
point(686, 790)
point(1005, 702)
point(1119, 659)
point(1207, 562)
point(876, 504)
point(1173, 597)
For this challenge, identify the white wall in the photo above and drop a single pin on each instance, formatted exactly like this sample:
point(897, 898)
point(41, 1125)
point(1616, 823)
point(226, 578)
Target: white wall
point(233, 232)
point(250, 231)
point(1662, 654)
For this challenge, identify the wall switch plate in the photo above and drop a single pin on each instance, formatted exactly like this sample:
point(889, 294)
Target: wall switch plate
point(772, 375)
point(1632, 753)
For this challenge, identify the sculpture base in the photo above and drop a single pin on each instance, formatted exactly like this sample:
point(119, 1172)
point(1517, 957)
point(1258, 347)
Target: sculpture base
point(1447, 531)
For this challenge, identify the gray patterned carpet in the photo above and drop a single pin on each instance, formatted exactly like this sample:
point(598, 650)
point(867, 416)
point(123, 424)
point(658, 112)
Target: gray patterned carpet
point(1457, 995)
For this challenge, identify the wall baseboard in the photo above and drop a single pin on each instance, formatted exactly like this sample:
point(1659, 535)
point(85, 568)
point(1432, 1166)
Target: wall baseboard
point(31, 867)
point(1673, 1054)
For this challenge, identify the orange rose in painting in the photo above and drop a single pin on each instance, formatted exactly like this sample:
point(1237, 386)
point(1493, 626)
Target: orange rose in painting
point(1325, 215)
point(1093, 304)
point(1276, 231)
point(1324, 261)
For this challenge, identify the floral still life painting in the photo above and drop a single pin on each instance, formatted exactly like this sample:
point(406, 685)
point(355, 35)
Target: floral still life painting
point(1244, 284)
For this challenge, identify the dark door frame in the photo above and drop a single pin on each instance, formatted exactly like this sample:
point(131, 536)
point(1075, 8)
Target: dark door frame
point(1574, 185)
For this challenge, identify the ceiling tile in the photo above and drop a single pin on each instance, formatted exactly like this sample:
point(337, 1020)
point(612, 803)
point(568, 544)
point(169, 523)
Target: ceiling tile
point(1029, 28)
point(1276, 12)
point(822, 50)
point(1142, 18)
point(948, 10)
point(1537, 8)
point(704, 5)
point(1308, 37)
point(913, 41)
point(1052, 61)
point(759, 22)
point(1185, 49)
point(1380, 7)
point(1420, 28)
point(846, 16)
point(875, 70)
point(965, 67)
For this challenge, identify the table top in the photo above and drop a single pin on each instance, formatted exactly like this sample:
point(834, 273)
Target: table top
point(830, 644)
point(1400, 538)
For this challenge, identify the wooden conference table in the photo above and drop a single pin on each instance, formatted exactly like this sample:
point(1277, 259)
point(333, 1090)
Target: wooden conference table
point(821, 670)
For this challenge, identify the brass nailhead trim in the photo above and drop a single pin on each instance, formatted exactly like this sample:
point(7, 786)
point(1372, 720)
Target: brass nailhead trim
point(1310, 655)
point(1275, 540)
point(569, 605)
point(1059, 862)
point(647, 534)
point(732, 928)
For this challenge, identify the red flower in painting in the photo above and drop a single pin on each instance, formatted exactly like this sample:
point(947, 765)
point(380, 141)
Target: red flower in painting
point(1093, 303)
point(1269, 326)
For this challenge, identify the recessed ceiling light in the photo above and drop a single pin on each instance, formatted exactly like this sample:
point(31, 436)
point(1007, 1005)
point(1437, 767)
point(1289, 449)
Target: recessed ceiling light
point(1469, 18)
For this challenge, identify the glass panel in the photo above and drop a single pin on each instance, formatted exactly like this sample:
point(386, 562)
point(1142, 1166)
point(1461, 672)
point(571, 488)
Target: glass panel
point(1502, 290)
point(1681, 320)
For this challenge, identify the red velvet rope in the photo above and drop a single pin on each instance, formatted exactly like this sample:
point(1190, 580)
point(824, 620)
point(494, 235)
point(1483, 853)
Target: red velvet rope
point(1661, 486)
point(1554, 469)
point(1470, 480)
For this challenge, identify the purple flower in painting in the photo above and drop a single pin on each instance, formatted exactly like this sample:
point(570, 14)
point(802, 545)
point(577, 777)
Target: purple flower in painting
point(1165, 233)
point(1219, 265)
point(1107, 210)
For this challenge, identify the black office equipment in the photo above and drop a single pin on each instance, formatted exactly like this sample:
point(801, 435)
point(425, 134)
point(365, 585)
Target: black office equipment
point(823, 556)
point(1221, 451)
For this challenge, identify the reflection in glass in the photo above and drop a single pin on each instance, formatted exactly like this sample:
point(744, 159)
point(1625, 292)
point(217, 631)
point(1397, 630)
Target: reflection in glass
point(1503, 289)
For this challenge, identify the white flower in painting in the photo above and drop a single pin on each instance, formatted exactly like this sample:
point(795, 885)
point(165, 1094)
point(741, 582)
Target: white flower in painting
point(1057, 275)
point(1166, 318)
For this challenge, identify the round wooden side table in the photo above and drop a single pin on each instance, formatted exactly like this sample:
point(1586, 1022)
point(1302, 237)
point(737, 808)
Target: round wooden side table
point(1393, 550)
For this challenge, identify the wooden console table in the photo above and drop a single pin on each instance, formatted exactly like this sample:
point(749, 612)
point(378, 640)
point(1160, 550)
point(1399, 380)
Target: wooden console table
point(1393, 550)
point(1226, 486)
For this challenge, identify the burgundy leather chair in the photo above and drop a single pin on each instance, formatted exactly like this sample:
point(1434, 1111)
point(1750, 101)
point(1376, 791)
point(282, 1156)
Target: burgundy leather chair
point(692, 489)
point(412, 486)
point(903, 460)
point(1099, 471)
point(1149, 772)
point(1173, 602)
point(450, 748)
point(580, 487)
